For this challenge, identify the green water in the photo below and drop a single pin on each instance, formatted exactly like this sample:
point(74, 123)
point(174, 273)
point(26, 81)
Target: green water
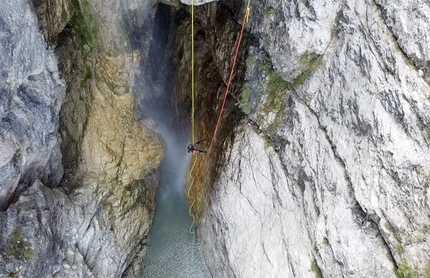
point(172, 250)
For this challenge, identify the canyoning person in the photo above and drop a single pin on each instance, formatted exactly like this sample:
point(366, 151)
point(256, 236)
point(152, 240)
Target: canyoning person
point(192, 147)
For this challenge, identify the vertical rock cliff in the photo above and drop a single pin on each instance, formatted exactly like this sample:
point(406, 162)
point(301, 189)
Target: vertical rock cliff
point(320, 167)
point(327, 173)
point(90, 219)
point(31, 97)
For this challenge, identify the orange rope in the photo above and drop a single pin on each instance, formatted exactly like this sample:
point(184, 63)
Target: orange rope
point(223, 103)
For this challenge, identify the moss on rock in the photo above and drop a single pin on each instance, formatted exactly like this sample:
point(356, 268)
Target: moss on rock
point(18, 246)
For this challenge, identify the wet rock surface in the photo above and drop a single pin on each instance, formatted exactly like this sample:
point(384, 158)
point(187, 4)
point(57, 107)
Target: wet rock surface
point(321, 164)
point(216, 35)
point(92, 220)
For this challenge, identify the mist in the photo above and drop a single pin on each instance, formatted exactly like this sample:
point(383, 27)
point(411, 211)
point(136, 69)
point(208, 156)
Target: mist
point(172, 250)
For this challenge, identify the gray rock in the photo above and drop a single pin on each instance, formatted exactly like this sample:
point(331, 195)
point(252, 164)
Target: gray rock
point(31, 96)
point(90, 228)
point(48, 233)
point(294, 31)
point(329, 172)
point(409, 24)
point(27, 233)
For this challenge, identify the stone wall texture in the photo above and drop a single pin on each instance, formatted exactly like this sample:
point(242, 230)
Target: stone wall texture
point(328, 173)
point(77, 169)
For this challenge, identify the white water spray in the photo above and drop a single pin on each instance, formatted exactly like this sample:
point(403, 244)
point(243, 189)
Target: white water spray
point(172, 250)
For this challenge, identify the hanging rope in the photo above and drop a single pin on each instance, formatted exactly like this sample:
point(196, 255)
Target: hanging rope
point(192, 189)
point(192, 72)
point(190, 197)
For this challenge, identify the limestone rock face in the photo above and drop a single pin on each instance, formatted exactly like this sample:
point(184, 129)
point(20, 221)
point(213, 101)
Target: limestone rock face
point(409, 24)
point(294, 31)
point(48, 233)
point(31, 96)
point(328, 173)
point(94, 223)
point(111, 142)
point(53, 16)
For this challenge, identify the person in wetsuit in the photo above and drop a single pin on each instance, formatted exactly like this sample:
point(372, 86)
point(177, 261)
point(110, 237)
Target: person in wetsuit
point(192, 148)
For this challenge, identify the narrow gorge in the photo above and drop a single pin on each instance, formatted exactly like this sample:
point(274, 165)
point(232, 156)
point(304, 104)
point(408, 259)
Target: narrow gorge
point(320, 167)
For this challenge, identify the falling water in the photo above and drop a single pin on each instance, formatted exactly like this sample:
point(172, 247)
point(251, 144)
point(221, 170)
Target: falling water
point(172, 250)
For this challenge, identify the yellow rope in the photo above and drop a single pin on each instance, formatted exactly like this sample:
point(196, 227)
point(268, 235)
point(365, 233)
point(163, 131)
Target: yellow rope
point(248, 10)
point(191, 198)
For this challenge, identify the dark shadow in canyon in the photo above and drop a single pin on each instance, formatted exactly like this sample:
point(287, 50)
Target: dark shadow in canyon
point(172, 250)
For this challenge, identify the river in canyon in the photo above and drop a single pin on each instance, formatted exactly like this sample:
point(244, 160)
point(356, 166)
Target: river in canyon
point(172, 250)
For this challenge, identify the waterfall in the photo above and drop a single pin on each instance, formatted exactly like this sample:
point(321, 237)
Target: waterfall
point(172, 250)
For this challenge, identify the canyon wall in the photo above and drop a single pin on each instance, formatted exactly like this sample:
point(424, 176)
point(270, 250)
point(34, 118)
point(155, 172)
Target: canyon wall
point(327, 173)
point(78, 170)
point(320, 167)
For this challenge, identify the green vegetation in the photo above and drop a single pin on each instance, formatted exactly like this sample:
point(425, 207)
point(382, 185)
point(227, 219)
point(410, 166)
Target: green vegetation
point(18, 155)
point(88, 73)
point(315, 268)
point(224, 249)
point(427, 270)
point(12, 275)
point(270, 12)
point(86, 24)
point(335, 25)
point(276, 86)
point(268, 143)
point(276, 89)
point(245, 103)
point(399, 249)
point(412, 63)
point(325, 241)
point(276, 93)
point(128, 196)
point(7, 85)
point(397, 46)
point(301, 78)
point(306, 58)
point(406, 271)
point(18, 247)
point(183, 7)
point(265, 65)
point(250, 61)
point(312, 62)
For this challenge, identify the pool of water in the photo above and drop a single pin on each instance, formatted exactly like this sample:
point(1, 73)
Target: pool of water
point(172, 250)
